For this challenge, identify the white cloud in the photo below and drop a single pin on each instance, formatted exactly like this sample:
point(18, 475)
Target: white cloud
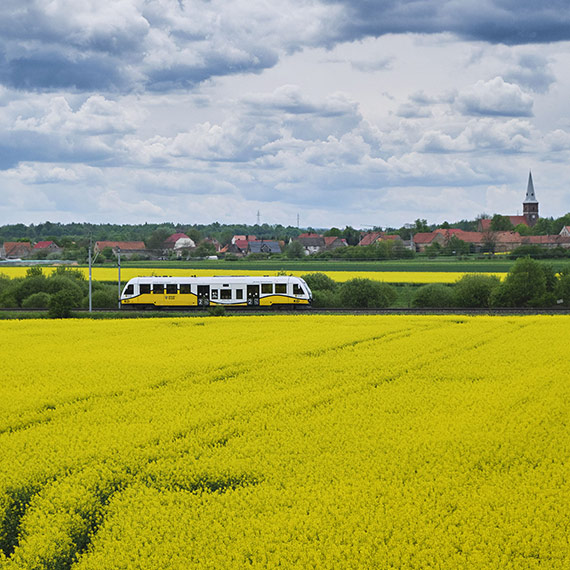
point(495, 98)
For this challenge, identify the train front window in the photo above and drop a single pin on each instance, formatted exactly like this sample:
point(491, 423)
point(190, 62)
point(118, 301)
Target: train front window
point(171, 289)
point(297, 290)
point(185, 288)
point(129, 290)
point(158, 288)
point(144, 288)
point(267, 288)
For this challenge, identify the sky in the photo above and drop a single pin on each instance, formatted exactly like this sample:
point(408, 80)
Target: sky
point(349, 112)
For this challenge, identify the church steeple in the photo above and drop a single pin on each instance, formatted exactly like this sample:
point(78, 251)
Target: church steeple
point(530, 204)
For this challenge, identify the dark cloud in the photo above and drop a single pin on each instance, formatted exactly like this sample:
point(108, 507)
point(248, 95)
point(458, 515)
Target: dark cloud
point(533, 72)
point(495, 21)
point(56, 71)
point(164, 44)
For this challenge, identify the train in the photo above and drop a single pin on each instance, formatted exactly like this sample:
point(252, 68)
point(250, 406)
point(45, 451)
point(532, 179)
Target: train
point(188, 292)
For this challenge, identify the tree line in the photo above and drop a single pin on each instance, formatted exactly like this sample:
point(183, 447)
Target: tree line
point(529, 283)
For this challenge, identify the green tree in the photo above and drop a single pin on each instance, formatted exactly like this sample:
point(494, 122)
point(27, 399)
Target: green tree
point(366, 293)
point(456, 246)
point(420, 226)
point(158, 237)
point(525, 285)
point(205, 249)
point(474, 290)
point(523, 230)
point(295, 250)
point(351, 235)
point(501, 223)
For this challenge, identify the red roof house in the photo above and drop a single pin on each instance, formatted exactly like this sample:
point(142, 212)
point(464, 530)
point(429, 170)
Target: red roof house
point(17, 249)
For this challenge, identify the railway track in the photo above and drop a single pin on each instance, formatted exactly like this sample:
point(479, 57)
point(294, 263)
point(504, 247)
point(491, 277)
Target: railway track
point(306, 311)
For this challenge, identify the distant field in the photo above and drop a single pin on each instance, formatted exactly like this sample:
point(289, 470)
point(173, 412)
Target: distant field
point(498, 265)
point(285, 442)
point(111, 274)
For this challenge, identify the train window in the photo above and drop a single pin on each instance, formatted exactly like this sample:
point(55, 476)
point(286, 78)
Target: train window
point(158, 288)
point(144, 288)
point(171, 288)
point(267, 288)
point(214, 293)
point(226, 294)
point(129, 290)
point(239, 293)
point(281, 288)
point(184, 288)
point(297, 289)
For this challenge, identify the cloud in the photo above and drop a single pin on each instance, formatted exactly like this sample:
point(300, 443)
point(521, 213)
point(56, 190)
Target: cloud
point(158, 46)
point(510, 22)
point(164, 45)
point(495, 98)
point(531, 71)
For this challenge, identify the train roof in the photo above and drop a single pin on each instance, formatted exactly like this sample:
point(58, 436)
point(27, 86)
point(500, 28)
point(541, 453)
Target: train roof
point(216, 278)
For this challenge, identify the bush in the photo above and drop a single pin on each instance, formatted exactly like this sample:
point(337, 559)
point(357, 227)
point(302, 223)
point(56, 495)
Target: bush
point(524, 286)
point(106, 298)
point(563, 289)
point(326, 298)
point(37, 301)
point(62, 302)
point(434, 295)
point(8, 301)
point(28, 286)
point(58, 283)
point(319, 282)
point(366, 293)
point(475, 290)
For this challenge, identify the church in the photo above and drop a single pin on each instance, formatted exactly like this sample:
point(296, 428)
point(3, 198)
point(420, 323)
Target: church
point(530, 210)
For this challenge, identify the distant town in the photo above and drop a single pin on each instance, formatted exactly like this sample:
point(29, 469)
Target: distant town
point(500, 233)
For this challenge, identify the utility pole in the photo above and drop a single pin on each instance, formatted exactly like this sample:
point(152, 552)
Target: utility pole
point(119, 268)
point(90, 289)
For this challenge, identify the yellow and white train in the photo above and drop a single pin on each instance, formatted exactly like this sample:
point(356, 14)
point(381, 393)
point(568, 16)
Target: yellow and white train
point(185, 292)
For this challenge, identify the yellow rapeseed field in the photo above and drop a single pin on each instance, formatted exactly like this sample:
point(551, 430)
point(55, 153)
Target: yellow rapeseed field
point(111, 274)
point(285, 441)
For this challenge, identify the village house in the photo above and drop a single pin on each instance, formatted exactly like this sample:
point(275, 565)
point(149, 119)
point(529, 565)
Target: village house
point(47, 246)
point(262, 246)
point(16, 249)
point(334, 242)
point(127, 248)
point(179, 243)
point(565, 231)
point(311, 242)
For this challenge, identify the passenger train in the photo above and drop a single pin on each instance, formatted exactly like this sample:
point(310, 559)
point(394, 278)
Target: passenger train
point(186, 292)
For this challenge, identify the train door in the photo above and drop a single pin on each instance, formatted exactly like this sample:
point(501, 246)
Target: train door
point(253, 294)
point(203, 295)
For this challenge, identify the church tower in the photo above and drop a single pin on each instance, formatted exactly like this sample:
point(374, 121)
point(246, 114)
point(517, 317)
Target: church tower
point(530, 204)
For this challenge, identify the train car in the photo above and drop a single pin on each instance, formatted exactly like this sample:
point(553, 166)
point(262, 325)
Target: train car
point(187, 292)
